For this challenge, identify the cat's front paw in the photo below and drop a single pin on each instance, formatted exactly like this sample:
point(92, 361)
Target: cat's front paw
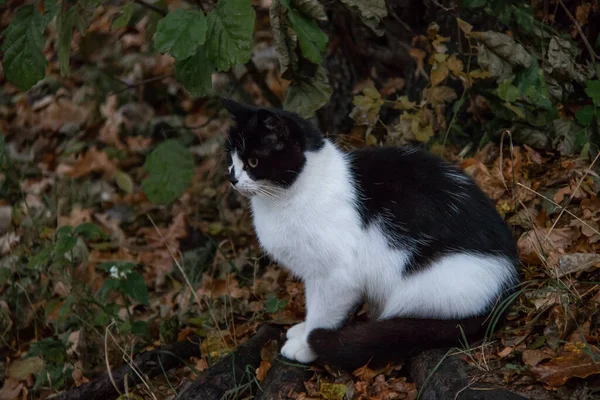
point(297, 349)
point(296, 331)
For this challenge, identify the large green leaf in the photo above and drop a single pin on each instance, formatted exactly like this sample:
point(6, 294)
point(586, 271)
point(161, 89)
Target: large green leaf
point(307, 96)
point(229, 37)
point(311, 38)
point(24, 63)
point(180, 33)
point(135, 287)
point(171, 168)
point(195, 73)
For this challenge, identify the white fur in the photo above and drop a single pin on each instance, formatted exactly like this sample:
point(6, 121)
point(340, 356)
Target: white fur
point(314, 230)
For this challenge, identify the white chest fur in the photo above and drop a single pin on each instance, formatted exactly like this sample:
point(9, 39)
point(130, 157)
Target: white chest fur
point(312, 226)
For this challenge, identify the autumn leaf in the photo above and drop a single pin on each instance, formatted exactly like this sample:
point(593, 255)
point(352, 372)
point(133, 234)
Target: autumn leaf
point(576, 361)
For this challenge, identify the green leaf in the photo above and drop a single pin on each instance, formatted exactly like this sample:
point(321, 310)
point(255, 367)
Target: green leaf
point(124, 181)
point(180, 33)
point(195, 73)
point(585, 115)
point(109, 285)
point(171, 168)
point(65, 240)
point(39, 260)
point(123, 20)
point(311, 38)
point(65, 21)
point(592, 89)
point(507, 91)
point(307, 96)
point(89, 231)
point(135, 287)
point(273, 304)
point(24, 63)
point(229, 37)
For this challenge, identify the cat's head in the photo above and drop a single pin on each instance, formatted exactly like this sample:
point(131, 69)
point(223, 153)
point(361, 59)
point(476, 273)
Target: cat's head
point(266, 148)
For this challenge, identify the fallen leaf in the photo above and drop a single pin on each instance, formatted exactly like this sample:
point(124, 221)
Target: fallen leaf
point(575, 361)
point(11, 389)
point(506, 351)
point(92, 161)
point(332, 391)
point(534, 357)
point(577, 262)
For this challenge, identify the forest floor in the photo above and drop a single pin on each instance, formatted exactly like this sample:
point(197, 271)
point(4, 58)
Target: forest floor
point(73, 153)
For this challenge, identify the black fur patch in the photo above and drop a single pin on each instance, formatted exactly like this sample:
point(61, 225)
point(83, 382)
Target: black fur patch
point(428, 206)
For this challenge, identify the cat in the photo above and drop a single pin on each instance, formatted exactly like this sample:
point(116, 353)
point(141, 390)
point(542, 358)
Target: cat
point(398, 228)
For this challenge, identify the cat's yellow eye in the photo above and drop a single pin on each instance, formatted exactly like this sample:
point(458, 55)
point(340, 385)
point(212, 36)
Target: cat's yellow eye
point(253, 162)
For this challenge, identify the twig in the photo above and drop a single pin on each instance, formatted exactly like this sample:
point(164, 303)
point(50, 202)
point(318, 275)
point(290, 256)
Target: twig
point(108, 368)
point(583, 37)
point(188, 283)
point(573, 194)
point(559, 206)
point(259, 79)
point(136, 84)
point(151, 7)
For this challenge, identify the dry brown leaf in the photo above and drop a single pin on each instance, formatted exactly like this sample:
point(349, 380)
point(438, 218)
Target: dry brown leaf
point(534, 357)
point(575, 361)
point(577, 262)
point(392, 86)
point(92, 161)
point(77, 216)
point(439, 72)
point(506, 351)
point(11, 390)
point(439, 95)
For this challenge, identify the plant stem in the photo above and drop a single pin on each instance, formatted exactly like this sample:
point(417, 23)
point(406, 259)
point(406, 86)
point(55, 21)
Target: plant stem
point(151, 7)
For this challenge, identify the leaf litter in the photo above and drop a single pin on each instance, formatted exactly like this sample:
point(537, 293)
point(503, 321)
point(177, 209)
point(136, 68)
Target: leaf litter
point(83, 161)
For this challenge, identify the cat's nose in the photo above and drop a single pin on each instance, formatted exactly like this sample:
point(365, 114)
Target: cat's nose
point(232, 180)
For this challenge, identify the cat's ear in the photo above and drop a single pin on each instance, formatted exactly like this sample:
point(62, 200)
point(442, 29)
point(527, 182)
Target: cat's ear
point(275, 124)
point(238, 111)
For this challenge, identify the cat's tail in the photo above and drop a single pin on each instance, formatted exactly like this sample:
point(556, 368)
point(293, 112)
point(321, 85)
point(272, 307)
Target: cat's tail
point(379, 342)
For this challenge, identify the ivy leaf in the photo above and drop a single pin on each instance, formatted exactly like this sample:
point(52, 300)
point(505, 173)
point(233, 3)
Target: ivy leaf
point(507, 91)
point(40, 259)
point(592, 89)
point(230, 28)
point(311, 38)
point(135, 287)
point(123, 20)
point(307, 96)
point(89, 231)
point(195, 73)
point(65, 240)
point(171, 168)
point(180, 33)
point(585, 115)
point(109, 285)
point(24, 63)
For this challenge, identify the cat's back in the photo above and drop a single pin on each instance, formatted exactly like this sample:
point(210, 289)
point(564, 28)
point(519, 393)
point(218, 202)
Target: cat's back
point(428, 202)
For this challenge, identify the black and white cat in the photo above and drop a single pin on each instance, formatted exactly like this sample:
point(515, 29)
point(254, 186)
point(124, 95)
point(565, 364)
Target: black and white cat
point(399, 228)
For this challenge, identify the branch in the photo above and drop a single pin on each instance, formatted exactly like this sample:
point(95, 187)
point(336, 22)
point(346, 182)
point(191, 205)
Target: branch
point(151, 363)
point(151, 7)
point(262, 84)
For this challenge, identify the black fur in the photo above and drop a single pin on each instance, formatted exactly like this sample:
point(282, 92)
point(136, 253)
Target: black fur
point(426, 211)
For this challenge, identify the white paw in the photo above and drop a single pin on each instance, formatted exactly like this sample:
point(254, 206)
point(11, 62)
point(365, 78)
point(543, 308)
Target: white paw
point(297, 330)
point(297, 349)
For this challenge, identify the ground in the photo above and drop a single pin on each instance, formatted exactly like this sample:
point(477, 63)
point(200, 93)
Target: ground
point(98, 262)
